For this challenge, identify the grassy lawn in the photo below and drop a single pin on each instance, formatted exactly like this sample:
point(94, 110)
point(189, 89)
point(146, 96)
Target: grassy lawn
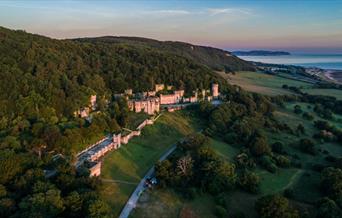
point(132, 161)
point(167, 203)
point(277, 182)
point(135, 119)
point(329, 92)
point(263, 83)
point(309, 108)
point(223, 149)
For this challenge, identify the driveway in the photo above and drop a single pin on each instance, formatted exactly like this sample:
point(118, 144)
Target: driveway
point(132, 201)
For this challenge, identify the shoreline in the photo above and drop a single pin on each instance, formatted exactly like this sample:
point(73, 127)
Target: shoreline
point(333, 75)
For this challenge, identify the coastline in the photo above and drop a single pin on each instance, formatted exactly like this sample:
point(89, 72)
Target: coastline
point(333, 75)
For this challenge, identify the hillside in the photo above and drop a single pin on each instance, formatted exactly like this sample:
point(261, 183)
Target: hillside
point(63, 73)
point(260, 53)
point(216, 59)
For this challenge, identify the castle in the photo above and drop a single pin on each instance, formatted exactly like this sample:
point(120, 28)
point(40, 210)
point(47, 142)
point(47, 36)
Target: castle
point(150, 103)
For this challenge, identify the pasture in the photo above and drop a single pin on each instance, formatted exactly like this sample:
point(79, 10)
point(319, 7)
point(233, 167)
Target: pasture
point(263, 83)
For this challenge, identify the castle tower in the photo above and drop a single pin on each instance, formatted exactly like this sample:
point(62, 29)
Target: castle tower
point(93, 101)
point(214, 90)
point(117, 140)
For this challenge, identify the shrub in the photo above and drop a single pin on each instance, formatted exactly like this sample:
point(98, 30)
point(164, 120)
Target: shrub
point(249, 181)
point(327, 208)
point(307, 146)
point(267, 163)
point(308, 116)
point(272, 206)
point(260, 146)
point(288, 193)
point(282, 161)
point(297, 109)
point(278, 147)
point(220, 211)
point(221, 200)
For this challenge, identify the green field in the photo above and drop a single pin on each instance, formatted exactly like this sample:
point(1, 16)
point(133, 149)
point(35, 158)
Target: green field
point(131, 161)
point(263, 83)
point(135, 119)
point(271, 85)
point(329, 92)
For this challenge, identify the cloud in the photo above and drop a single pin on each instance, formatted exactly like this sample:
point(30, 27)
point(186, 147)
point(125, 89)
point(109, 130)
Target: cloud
point(220, 11)
point(168, 12)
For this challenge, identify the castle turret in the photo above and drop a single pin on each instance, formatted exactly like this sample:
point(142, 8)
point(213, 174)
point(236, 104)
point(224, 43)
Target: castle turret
point(214, 90)
point(117, 140)
point(93, 102)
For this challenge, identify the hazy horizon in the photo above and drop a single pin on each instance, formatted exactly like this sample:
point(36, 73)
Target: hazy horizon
point(296, 27)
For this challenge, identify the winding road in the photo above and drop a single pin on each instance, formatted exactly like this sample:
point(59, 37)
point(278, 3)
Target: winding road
point(132, 201)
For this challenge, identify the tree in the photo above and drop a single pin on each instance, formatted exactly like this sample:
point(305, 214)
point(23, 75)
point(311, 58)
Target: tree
point(249, 181)
point(184, 166)
point(331, 182)
point(260, 146)
point(73, 204)
point(11, 164)
point(327, 208)
point(278, 147)
point(300, 129)
point(272, 206)
point(297, 109)
point(98, 209)
point(220, 176)
point(282, 161)
point(307, 146)
point(194, 141)
point(164, 172)
point(48, 204)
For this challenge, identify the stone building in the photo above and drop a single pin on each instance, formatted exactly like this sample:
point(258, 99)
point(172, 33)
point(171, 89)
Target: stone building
point(117, 140)
point(95, 168)
point(93, 102)
point(159, 87)
point(149, 105)
point(214, 90)
point(128, 92)
point(174, 98)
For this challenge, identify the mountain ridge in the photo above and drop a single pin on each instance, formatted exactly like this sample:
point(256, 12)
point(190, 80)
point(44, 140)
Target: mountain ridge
point(260, 53)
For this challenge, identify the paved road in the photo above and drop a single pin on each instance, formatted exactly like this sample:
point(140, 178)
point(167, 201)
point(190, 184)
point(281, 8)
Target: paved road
point(132, 201)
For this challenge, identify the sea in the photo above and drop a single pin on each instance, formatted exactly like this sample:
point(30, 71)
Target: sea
point(323, 61)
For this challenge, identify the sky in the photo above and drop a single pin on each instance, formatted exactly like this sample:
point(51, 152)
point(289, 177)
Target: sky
point(307, 26)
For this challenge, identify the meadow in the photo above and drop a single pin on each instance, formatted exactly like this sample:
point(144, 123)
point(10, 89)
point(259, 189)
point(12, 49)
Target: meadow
point(329, 92)
point(271, 85)
point(263, 83)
